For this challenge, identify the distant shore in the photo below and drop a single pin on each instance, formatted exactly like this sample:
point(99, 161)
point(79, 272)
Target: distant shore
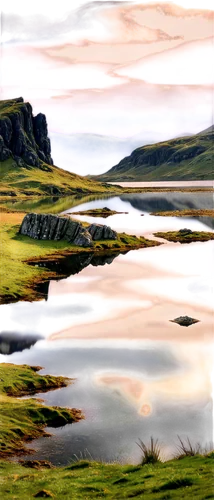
point(120, 189)
point(186, 213)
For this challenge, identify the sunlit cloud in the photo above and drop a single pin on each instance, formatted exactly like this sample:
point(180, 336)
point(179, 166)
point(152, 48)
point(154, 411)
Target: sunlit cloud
point(120, 72)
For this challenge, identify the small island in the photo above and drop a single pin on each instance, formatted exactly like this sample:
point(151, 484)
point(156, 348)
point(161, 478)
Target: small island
point(185, 236)
point(98, 212)
point(193, 212)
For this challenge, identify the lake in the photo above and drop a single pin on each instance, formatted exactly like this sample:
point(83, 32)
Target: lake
point(165, 184)
point(108, 326)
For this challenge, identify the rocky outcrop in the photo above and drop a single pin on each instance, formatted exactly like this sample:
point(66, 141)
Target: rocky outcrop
point(22, 135)
point(52, 227)
point(99, 232)
point(185, 321)
point(184, 158)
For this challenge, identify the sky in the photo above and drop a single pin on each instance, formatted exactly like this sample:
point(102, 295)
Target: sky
point(110, 75)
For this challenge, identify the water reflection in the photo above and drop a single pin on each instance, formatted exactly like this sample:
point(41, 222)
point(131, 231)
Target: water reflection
point(145, 203)
point(168, 184)
point(137, 374)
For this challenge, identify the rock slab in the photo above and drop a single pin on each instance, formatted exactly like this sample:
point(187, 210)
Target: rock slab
point(53, 227)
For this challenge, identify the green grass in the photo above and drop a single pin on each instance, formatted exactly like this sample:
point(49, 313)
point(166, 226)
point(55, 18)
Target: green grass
point(20, 281)
point(45, 180)
point(185, 158)
point(176, 236)
point(22, 420)
point(98, 212)
point(188, 478)
point(194, 212)
point(53, 205)
point(22, 179)
point(16, 380)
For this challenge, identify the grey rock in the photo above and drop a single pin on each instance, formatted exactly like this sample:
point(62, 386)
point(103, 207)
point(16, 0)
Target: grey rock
point(41, 136)
point(185, 320)
point(185, 231)
point(24, 136)
point(83, 239)
point(52, 227)
point(6, 130)
point(4, 151)
point(99, 232)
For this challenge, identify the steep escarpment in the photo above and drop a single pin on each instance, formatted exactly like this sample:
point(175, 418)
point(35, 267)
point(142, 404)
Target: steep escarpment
point(184, 158)
point(22, 135)
point(25, 155)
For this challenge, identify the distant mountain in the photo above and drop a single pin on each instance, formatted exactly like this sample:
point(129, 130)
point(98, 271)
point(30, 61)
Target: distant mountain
point(184, 158)
point(151, 137)
point(84, 152)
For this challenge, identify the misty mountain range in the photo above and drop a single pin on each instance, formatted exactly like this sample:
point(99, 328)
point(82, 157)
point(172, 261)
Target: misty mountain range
point(87, 153)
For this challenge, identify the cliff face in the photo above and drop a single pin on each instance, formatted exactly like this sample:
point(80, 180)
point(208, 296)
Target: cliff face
point(184, 158)
point(23, 137)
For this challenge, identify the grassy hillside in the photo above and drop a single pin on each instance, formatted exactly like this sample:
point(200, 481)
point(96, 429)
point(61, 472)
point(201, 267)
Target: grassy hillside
point(44, 180)
point(191, 477)
point(185, 158)
point(25, 153)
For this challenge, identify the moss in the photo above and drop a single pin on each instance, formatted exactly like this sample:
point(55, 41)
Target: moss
point(21, 281)
point(189, 237)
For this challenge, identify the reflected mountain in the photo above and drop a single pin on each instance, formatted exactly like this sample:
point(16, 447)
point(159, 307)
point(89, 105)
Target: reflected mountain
point(11, 342)
point(154, 202)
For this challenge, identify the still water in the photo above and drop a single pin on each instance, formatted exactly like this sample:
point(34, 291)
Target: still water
point(166, 184)
point(108, 326)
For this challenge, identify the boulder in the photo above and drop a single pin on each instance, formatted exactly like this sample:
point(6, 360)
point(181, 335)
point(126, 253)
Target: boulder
point(99, 232)
point(53, 227)
point(185, 320)
point(185, 231)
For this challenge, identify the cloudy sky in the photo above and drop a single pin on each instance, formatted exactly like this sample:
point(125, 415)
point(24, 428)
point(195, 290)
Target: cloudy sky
point(110, 75)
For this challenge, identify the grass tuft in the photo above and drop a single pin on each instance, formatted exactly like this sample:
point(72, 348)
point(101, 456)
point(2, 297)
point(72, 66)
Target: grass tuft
point(151, 452)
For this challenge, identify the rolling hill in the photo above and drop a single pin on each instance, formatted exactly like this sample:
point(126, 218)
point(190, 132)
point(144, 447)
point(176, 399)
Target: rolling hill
point(184, 158)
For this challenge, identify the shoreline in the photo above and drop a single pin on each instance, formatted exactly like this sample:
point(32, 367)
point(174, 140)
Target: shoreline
point(185, 213)
point(23, 420)
point(116, 192)
point(21, 251)
point(185, 236)
point(35, 262)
